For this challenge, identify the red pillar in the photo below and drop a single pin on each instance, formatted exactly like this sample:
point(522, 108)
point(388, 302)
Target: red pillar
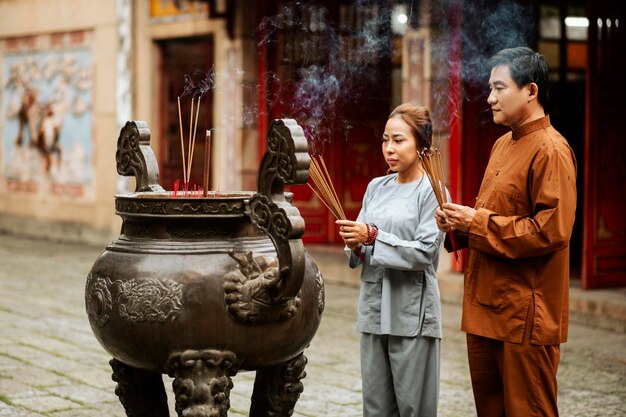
point(262, 91)
point(455, 88)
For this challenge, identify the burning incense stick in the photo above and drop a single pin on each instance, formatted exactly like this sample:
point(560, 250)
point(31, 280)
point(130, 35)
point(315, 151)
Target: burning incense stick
point(207, 162)
point(192, 143)
point(182, 140)
point(186, 179)
point(323, 187)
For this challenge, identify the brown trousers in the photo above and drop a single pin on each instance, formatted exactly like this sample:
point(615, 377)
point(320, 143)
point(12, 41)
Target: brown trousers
point(511, 379)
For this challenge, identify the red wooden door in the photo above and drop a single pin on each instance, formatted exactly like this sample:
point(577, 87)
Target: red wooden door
point(604, 230)
point(480, 135)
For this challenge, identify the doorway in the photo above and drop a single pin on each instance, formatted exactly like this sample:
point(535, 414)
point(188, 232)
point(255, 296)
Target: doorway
point(563, 40)
point(181, 58)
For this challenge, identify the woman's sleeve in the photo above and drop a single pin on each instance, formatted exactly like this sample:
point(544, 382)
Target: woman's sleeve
point(390, 251)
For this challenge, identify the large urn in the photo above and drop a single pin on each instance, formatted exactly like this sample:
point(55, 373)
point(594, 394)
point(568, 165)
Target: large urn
point(201, 288)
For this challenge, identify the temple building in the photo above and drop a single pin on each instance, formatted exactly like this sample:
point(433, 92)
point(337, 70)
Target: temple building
point(72, 72)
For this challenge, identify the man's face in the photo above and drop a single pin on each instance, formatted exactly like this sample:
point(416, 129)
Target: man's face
point(509, 103)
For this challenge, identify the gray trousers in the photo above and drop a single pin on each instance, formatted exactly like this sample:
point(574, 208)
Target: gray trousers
point(400, 375)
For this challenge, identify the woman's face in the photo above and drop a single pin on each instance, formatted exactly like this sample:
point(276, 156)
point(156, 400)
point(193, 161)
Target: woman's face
point(400, 146)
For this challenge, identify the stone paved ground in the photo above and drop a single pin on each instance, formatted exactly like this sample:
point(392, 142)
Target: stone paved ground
point(51, 365)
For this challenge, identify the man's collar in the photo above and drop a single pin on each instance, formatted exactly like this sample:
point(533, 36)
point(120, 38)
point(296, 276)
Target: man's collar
point(530, 127)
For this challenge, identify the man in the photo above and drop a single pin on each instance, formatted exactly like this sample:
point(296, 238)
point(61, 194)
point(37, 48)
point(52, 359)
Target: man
point(516, 299)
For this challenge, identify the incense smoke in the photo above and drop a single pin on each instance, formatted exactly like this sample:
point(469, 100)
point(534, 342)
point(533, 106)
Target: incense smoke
point(197, 84)
point(507, 25)
point(487, 26)
point(334, 71)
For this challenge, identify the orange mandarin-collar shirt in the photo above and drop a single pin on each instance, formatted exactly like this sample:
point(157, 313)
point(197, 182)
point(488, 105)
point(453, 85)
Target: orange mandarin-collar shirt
point(519, 238)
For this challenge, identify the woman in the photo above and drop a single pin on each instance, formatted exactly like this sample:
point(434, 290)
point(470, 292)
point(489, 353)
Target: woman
point(396, 239)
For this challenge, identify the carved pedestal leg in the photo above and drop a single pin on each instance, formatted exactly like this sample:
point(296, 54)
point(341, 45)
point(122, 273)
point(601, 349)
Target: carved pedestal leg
point(202, 381)
point(277, 389)
point(141, 392)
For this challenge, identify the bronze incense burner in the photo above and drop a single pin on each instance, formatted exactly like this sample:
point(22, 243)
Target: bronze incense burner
point(201, 288)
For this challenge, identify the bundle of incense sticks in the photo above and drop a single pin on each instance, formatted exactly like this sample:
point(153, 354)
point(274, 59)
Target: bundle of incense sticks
point(207, 162)
point(433, 165)
point(188, 162)
point(431, 160)
point(323, 187)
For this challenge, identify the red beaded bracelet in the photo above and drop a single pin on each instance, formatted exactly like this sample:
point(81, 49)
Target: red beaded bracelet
point(372, 234)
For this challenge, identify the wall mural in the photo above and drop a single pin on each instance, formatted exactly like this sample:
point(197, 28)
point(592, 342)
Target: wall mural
point(47, 114)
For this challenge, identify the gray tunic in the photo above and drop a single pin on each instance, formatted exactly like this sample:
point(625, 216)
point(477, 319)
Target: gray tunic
point(399, 294)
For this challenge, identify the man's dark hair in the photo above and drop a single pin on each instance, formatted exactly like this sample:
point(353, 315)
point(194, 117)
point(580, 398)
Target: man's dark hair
point(526, 66)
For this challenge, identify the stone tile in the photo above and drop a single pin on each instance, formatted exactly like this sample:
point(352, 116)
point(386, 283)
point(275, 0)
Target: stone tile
point(37, 376)
point(45, 403)
point(95, 377)
point(8, 364)
point(12, 389)
point(91, 412)
point(100, 409)
point(83, 394)
point(14, 411)
point(66, 349)
point(41, 359)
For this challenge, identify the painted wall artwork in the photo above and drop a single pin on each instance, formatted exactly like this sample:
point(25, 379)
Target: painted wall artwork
point(46, 120)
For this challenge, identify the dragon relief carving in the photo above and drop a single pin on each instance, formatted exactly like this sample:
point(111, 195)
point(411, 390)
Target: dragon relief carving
point(249, 291)
point(137, 300)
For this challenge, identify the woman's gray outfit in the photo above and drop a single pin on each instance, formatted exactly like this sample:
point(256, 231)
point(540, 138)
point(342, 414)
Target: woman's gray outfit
point(399, 312)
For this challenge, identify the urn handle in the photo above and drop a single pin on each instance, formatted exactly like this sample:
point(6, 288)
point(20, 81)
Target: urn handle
point(286, 161)
point(134, 156)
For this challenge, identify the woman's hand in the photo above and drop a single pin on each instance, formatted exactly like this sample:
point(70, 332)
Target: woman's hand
point(352, 233)
point(442, 221)
point(457, 216)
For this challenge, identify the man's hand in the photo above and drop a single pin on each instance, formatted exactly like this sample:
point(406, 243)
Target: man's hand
point(455, 216)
